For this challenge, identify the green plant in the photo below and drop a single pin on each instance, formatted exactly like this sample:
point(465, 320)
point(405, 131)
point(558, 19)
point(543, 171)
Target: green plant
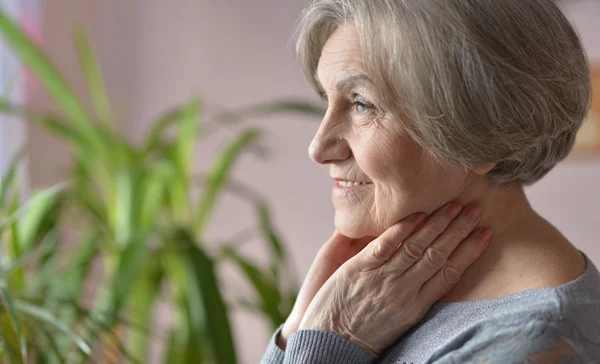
point(133, 208)
point(28, 234)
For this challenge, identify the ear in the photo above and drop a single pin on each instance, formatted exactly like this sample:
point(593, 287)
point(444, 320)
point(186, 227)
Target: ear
point(484, 169)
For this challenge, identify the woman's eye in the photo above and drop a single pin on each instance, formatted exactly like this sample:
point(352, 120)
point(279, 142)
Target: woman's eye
point(361, 107)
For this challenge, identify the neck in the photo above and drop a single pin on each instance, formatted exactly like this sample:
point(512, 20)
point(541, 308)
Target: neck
point(514, 224)
point(505, 207)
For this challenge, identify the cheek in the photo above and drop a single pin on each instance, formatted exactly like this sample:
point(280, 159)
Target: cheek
point(392, 162)
point(407, 179)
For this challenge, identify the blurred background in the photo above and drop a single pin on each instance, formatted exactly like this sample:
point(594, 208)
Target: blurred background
point(156, 55)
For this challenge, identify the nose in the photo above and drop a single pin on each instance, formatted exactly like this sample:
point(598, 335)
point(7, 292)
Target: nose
point(329, 144)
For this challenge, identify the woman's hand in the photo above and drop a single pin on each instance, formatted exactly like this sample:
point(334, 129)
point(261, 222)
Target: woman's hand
point(335, 252)
point(384, 290)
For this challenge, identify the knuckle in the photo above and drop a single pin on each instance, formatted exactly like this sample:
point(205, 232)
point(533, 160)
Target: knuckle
point(456, 232)
point(433, 230)
point(450, 274)
point(435, 257)
point(384, 249)
point(412, 251)
point(399, 230)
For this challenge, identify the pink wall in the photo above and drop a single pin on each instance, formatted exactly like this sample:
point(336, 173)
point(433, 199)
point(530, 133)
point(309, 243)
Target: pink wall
point(234, 52)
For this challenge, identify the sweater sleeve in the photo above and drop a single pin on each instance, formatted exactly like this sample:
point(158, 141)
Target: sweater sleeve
point(315, 347)
point(273, 354)
point(323, 347)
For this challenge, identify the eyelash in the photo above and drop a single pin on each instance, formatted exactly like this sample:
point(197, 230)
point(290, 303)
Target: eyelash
point(358, 104)
point(355, 104)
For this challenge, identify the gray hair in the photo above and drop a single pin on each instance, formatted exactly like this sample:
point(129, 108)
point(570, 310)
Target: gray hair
point(474, 82)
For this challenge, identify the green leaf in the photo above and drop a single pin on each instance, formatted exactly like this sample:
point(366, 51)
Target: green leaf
point(10, 178)
point(177, 193)
point(27, 223)
point(183, 350)
point(146, 291)
point(184, 144)
point(67, 133)
point(186, 343)
point(81, 258)
point(266, 227)
point(47, 245)
point(53, 344)
point(46, 72)
point(156, 134)
point(93, 76)
point(217, 177)
point(49, 122)
point(36, 212)
point(47, 317)
point(181, 153)
point(90, 135)
point(130, 263)
point(8, 303)
point(68, 284)
point(101, 327)
point(204, 300)
point(86, 195)
point(278, 256)
point(52, 124)
point(152, 193)
point(174, 351)
point(265, 287)
point(9, 343)
point(124, 205)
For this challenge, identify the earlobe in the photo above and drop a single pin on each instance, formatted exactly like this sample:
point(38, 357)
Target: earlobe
point(484, 169)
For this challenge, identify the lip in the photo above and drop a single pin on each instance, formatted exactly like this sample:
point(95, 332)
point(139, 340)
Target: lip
point(338, 190)
point(347, 180)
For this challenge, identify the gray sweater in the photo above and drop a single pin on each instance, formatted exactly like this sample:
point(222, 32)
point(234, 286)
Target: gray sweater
point(507, 329)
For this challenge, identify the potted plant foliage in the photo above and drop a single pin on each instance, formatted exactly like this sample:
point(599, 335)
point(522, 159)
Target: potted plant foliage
point(132, 208)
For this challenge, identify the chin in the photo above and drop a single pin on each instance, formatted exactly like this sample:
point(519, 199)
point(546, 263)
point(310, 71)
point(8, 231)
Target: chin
point(355, 229)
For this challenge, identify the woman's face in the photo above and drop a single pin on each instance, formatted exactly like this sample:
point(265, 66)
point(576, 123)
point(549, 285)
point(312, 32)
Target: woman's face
point(362, 145)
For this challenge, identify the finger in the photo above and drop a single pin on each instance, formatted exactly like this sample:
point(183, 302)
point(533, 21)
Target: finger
point(382, 248)
point(460, 260)
point(413, 247)
point(357, 245)
point(437, 254)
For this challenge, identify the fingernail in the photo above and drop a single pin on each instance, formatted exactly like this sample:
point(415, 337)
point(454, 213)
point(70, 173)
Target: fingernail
point(485, 235)
point(474, 212)
point(453, 210)
point(416, 218)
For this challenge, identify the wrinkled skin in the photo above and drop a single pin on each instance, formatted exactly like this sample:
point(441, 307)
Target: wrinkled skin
point(384, 290)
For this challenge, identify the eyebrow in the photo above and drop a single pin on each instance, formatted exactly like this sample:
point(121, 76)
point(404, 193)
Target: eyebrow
point(348, 82)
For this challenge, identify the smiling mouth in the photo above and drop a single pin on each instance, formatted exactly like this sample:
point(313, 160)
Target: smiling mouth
point(350, 188)
point(351, 183)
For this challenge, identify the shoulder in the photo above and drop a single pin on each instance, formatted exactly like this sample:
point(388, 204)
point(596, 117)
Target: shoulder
point(551, 324)
point(530, 336)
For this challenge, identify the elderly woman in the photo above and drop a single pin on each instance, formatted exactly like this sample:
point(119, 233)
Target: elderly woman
point(439, 112)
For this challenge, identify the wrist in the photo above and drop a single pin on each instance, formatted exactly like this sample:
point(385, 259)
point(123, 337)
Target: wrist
point(285, 332)
point(362, 344)
point(281, 339)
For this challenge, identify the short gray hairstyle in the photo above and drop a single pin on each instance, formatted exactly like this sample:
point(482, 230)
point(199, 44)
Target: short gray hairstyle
point(473, 82)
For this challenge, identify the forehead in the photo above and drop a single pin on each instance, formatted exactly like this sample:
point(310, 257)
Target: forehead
point(341, 56)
